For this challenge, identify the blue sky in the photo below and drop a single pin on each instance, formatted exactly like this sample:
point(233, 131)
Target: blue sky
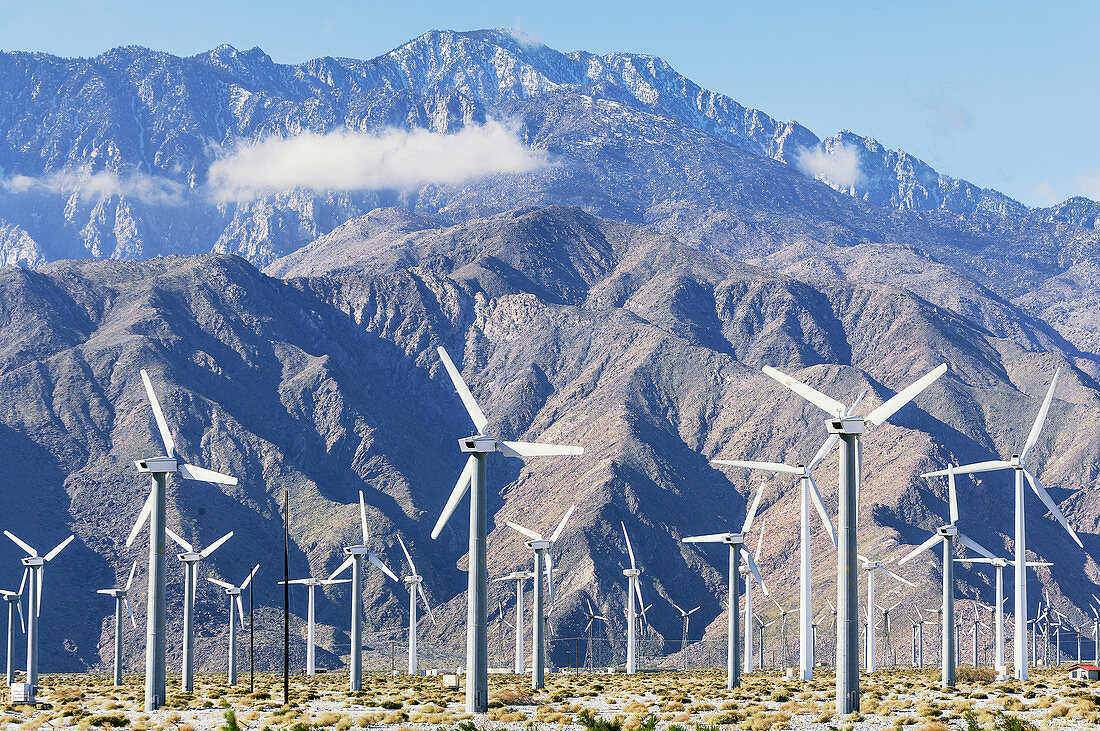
point(1002, 94)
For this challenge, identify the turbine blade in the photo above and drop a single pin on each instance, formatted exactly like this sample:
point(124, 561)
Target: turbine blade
point(752, 508)
point(975, 546)
point(969, 469)
point(214, 546)
point(373, 558)
point(22, 544)
point(1051, 505)
point(755, 572)
point(695, 610)
point(23, 581)
point(133, 620)
point(201, 474)
point(22, 620)
point(162, 424)
point(892, 575)
point(130, 580)
point(240, 610)
point(59, 548)
point(219, 582)
point(589, 625)
point(829, 405)
point(1040, 418)
point(405, 551)
point(476, 415)
point(638, 592)
point(855, 404)
point(921, 548)
point(629, 548)
point(760, 538)
point(251, 573)
point(953, 501)
point(175, 537)
point(709, 538)
point(427, 606)
point(815, 495)
point(536, 449)
point(363, 518)
point(904, 396)
point(143, 516)
point(525, 531)
point(768, 466)
point(561, 526)
point(342, 567)
point(457, 494)
point(823, 452)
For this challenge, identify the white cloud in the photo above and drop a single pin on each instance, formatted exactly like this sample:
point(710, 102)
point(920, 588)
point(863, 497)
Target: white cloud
point(346, 160)
point(100, 185)
point(838, 166)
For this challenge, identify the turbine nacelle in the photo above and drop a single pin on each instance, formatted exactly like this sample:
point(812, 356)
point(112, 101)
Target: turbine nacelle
point(540, 545)
point(847, 425)
point(632, 572)
point(157, 464)
point(477, 445)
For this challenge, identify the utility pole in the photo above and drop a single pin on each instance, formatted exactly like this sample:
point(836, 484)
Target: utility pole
point(251, 643)
point(286, 596)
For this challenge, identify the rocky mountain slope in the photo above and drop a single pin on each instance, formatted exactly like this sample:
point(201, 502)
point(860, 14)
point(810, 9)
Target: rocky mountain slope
point(569, 328)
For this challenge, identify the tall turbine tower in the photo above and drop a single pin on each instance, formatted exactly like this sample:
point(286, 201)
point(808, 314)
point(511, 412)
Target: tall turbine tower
point(472, 478)
point(871, 567)
point(633, 589)
point(849, 429)
point(519, 577)
point(37, 566)
point(544, 563)
point(354, 559)
point(810, 493)
point(311, 643)
point(1018, 464)
point(414, 583)
point(190, 559)
point(154, 513)
point(747, 575)
point(121, 596)
point(234, 594)
point(15, 603)
point(736, 542)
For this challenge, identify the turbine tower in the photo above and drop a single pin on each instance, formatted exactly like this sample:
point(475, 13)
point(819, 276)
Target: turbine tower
point(190, 559)
point(15, 603)
point(886, 628)
point(519, 577)
point(747, 575)
point(234, 594)
point(414, 583)
point(684, 614)
point(355, 561)
point(1018, 464)
point(541, 547)
point(633, 589)
point(871, 567)
point(121, 596)
point(849, 429)
point(810, 493)
point(311, 644)
point(154, 513)
point(37, 566)
point(947, 534)
point(472, 478)
point(736, 543)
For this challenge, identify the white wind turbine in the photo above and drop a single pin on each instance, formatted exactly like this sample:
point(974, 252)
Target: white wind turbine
point(519, 577)
point(154, 513)
point(190, 559)
point(810, 493)
point(947, 534)
point(783, 628)
point(684, 614)
point(871, 567)
point(414, 583)
point(121, 596)
point(234, 594)
point(736, 542)
point(1018, 464)
point(747, 574)
point(998, 565)
point(15, 603)
point(633, 589)
point(886, 628)
point(590, 649)
point(311, 643)
point(472, 478)
point(354, 559)
point(850, 428)
point(541, 547)
point(37, 566)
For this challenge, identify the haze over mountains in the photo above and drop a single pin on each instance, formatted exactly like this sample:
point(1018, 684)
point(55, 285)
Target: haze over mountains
point(621, 292)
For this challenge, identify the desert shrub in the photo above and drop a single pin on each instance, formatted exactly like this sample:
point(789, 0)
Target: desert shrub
point(1014, 723)
point(592, 722)
point(230, 721)
point(971, 674)
point(109, 720)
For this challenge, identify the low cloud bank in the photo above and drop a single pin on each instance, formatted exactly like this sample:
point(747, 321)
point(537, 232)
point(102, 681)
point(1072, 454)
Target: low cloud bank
point(100, 185)
point(838, 166)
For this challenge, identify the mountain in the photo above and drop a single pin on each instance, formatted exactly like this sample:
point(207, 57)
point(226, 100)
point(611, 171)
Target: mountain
point(569, 328)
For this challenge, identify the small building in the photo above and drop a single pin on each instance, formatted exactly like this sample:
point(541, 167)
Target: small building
point(1084, 671)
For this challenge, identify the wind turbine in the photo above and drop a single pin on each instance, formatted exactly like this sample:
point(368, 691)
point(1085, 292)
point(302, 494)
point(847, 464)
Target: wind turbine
point(472, 478)
point(121, 596)
point(849, 429)
point(747, 574)
point(190, 559)
point(886, 628)
point(947, 534)
point(1018, 464)
point(234, 594)
point(997, 608)
point(355, 561)
point(871, 567)
point(413, 582)
point(15, 603)
point(1095, 633)
point(541, 547)
point(590, 650)
point(633, 589)
point(804, 473)
point(154, 513)
point(783, 629)
point(311, 645)
point(501, 624)
point(519, 577)
point(37, 566)
point(736, 542)
point(684, 614)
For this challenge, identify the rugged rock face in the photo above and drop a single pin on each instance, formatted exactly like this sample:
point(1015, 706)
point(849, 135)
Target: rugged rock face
point(569, 328)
